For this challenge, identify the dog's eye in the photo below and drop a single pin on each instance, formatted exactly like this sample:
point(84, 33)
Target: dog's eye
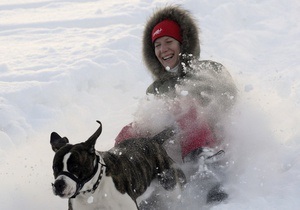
point(74, 167)
point(55, 169)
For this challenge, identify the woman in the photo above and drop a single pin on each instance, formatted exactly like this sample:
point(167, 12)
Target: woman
point(201, 92)
point(171, 51)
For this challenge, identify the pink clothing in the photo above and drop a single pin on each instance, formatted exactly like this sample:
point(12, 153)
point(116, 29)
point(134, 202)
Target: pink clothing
point(194, 134)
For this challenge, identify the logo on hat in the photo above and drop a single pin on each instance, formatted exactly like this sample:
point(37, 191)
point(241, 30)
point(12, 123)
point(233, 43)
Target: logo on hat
point(157, 32)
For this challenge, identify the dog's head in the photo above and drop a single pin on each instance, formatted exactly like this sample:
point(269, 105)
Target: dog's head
point(73, 165)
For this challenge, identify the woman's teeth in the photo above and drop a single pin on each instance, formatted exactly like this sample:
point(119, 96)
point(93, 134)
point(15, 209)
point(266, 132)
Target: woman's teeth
point(168, 57)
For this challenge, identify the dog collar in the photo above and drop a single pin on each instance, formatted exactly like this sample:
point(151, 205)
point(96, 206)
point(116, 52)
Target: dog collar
point(99, 178)
point(80, 185)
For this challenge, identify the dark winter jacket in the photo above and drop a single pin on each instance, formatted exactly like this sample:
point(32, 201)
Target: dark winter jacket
point(205, 80)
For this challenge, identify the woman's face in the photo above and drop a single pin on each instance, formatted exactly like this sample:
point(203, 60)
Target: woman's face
point(167, 50)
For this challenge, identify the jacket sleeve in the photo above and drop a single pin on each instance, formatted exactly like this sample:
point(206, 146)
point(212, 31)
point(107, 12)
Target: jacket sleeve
point(211, 85)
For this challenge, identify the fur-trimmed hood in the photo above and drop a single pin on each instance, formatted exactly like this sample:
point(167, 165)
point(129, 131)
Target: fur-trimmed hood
point(189, 32)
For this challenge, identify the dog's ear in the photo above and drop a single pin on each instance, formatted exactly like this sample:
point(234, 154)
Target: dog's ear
point(90, 143)
point(57, 141)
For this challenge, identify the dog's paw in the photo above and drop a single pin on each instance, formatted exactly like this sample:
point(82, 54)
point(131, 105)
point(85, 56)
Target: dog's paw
point(171, 177)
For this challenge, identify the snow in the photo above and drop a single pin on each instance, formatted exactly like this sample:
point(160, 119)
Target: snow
point(65, 64)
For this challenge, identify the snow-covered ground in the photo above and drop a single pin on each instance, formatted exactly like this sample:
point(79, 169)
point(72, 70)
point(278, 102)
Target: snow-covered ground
point(66, 63)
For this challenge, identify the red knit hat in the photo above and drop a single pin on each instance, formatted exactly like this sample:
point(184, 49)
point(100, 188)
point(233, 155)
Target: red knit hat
point(166, 28)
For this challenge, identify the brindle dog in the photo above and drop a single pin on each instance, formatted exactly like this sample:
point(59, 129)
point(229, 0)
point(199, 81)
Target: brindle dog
point(113, 179)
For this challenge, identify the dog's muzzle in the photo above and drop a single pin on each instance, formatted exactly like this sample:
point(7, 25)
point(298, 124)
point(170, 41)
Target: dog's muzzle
point(60, 184)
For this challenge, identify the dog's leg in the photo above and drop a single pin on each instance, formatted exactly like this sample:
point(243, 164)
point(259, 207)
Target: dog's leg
point(70, 205)
point(169, 178)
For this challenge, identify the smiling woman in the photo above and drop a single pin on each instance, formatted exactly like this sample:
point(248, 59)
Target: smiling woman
point(167, 40)
point(171, 52)
point(167, 50)
point(193, 90)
